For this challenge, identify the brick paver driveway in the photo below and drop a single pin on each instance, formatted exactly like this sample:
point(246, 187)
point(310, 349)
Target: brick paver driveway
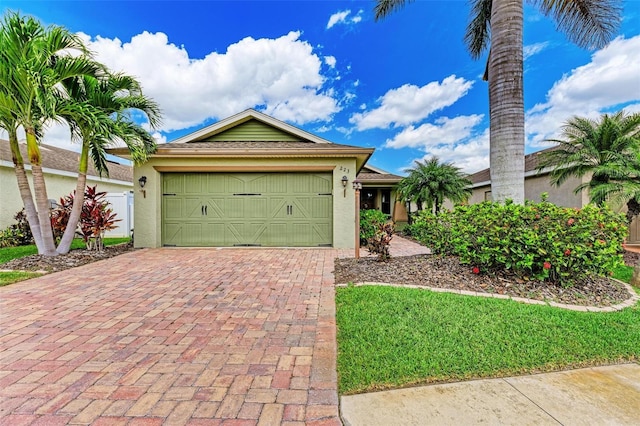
point(173, 336)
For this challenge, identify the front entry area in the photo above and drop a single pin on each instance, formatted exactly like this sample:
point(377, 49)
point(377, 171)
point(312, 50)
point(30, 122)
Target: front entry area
point(247, 209)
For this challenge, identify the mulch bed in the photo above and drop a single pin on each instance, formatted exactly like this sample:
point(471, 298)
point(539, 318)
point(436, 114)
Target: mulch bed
point(446, 272)
point(61, 262)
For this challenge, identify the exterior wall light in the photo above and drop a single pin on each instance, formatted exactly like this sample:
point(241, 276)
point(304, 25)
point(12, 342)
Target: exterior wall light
point(143, 181)
point(345, 181)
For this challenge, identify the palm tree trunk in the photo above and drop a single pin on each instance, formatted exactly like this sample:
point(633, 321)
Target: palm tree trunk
point(25, 189)
point(506, 103)
point(78, 201)
point(48, 247)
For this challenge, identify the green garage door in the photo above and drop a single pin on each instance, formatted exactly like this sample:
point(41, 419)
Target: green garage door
point(241, 209)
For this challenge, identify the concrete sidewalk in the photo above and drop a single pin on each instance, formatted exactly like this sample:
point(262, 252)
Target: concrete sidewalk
point(598, 396)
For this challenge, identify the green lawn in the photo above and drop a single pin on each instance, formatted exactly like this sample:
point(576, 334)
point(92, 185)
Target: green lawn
point(7, 278)
point(10, 253)
point(390, 337)
point(623, 273)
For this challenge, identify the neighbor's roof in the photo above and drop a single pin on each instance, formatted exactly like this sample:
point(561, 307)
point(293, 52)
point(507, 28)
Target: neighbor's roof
point(303, 144)
point(483, 177)
point(64, 160)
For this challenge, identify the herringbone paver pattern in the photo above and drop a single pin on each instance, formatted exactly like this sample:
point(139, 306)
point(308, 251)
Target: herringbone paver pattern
point(173, 336)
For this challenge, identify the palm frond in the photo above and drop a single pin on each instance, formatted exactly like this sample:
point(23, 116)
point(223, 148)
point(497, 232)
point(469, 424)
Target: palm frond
point(588, 23)
point(384, 8)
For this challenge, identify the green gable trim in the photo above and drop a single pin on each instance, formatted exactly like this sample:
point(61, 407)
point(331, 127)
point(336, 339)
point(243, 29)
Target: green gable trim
point(253, 130)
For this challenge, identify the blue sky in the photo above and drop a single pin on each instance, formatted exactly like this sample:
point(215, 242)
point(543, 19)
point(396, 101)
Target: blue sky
point(405, 85)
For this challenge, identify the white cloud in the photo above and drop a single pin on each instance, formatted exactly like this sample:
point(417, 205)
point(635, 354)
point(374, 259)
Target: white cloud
point(330, 60)
point(610, 81)
point(445, 132)
point(470, 156)
point(343, 18)
point(533, 49)
point(282, 76)
point(160, 138)
point(410, 104)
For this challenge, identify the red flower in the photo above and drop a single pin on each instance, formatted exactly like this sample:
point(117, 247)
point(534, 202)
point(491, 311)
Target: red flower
point(476, 270)
point(571, 221)
point(567, 252)
point(546, 265)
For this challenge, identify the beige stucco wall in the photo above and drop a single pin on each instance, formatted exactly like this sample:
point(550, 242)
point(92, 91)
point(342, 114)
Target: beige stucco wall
point(148, 205)
point(534, 186)
point(58, 184)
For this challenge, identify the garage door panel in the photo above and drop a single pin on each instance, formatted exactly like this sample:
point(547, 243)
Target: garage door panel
point(214, 234)
point(173, 184)
point(216, 208)
point(322, 232)
point(234, 184)
point(268, 209)
point(321, 208)
point(171, 233)
point(277, 233)
point(257, 208)
point(192, 208)
point(321, 184)
point(256, 184)
point(277, 207)
point(278, 183)
point(194, 183)
point(216, 183)
point(172, 208)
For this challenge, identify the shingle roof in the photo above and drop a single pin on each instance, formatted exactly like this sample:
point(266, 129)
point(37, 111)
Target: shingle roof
point(252, 145)
point(379, 177)
point(65, 160)
point(530, 165)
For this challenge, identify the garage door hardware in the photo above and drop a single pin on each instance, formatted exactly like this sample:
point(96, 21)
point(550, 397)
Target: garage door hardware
point(247, 245)
point(325, 193)
point(204, 210)
point(289, 210)
point(170, 194)
point(246, 194)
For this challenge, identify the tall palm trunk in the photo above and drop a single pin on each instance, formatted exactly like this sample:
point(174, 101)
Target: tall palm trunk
point(24, 188)
point(76, 210)
point(506, 103)
point(48, 247)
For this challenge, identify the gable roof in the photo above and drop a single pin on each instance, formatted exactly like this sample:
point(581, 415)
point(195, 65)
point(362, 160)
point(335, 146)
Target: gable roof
point(243, 117)
point(371, 174)
point(55, 158)
point(252, 134)
point(483, 177)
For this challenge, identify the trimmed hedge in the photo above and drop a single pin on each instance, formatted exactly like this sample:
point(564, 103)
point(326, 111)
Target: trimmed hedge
point(536, 240)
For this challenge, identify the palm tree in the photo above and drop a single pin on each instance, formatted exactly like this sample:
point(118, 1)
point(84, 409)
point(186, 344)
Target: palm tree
point(498, 24)
point(431, 182)
point(608, 149)
point(33, 63)
point(114, 97)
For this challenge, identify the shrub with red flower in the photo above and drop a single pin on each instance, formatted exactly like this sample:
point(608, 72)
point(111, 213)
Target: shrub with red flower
point(567, 252)
point(546, 265)
point(476, 270)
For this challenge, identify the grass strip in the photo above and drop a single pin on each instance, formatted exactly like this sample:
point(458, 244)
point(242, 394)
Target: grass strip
point(391, 337)
point(10, 253)
point(7, 278)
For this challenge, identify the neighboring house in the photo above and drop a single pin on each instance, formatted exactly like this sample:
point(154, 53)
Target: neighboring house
point(60, 167)
point(537, 183)
point(379, 192)
point(247, 180)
